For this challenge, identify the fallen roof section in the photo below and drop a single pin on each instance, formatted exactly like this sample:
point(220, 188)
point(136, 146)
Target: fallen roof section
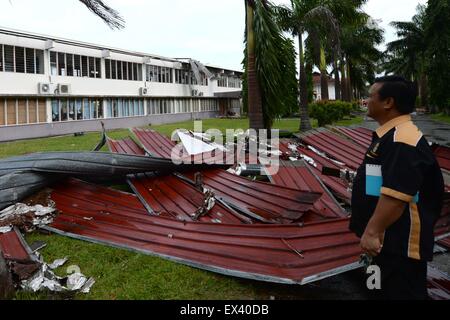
point(291, 254)
point(438, 284)
point(298, 175)
point(337, 147)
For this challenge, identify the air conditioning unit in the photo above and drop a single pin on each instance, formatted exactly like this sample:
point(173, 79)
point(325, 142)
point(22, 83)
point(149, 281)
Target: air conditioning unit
point(64, 89)
point(144, 91)
point(194, 93)
point(45, 88)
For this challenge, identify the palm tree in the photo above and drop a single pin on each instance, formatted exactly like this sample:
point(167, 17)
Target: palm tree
point(312, 17)
point(406, 56)
point(110, 16)
point(359, 63)
point(270, 85)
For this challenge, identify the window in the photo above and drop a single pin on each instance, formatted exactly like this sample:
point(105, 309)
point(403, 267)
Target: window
point(113, 69)
point(98, 68)
point(30, 61)
point(84, 66)
point(61, 64)
point(39, 61)
point(77, 65)
point(108, 69)
point(91, 67)
point(1, 62)
point(20, 59)
point(125, 71)
point(69, 59)
point(8, 52)
point(130, 71)
point(119, 70)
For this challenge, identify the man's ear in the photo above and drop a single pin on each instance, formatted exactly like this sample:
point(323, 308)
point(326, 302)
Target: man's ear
point(389, 104)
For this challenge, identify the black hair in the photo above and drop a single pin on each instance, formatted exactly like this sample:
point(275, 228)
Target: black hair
point(403, 92)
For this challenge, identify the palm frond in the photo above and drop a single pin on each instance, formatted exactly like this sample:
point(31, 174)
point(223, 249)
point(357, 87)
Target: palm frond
point(110, 16)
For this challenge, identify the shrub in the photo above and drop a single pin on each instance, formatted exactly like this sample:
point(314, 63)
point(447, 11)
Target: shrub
point(328, 112)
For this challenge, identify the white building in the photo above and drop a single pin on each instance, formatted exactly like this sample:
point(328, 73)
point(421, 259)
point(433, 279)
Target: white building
point(52, 86)
point(317, 91)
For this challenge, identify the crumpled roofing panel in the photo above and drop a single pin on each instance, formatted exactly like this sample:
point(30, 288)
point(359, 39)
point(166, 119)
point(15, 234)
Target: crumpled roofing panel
point(125, 146)
point(338, 186)
point(275, 204)
point(298, 175)
point(341, 149)
point(438, 284)
point(261, 201)
point(294, 253)
point(13, 247)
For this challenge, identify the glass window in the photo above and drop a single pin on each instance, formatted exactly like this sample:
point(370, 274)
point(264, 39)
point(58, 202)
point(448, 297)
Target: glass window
point(77, 65)
point(9, 58)
point(119, 70)
point(61, 64)
point(108, 69)
point(91, 67)
point(53, 64)
point(1, 61)
point(86, 109)
point(99, 108)
point(125, 71)
point(130, 71)
point(64, 110)
point(20, 59)
point(139, 72)
point(71, 103)
point(55, 110)
point(98, 68)
point(113, 69)
point(39, 54)
point(79, 109)
point(69, 61)
point(84, 66)
point(30, 62)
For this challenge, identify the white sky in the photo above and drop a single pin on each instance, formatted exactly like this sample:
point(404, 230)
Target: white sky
point(208, 30)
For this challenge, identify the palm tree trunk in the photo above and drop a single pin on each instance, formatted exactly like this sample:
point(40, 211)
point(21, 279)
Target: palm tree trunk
point(349, 83)
point(323, 75)
point(344, 81)
point(255, 113)
point(337, 80)
point(305, 123)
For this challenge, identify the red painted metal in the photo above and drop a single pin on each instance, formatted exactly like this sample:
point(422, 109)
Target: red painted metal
point(156, 144)
point(337, 147)
point(298, 175)
point(176, 197)
point(361, 137)
point(338, 186)
point(12, 247)
point(443, 157)
point(438, 284)
point(272, 203)
point(261, 201)
point(445, 242)
point(294, 253)
point(126, 146)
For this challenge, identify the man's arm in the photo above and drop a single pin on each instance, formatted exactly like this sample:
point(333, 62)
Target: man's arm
point(388, 211)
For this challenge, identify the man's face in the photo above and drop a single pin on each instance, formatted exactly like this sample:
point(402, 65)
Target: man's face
point(374, 104)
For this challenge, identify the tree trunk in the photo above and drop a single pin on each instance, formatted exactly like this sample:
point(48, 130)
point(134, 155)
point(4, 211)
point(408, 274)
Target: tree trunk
point(255, 111)
point(6, 285)
point(323, 75)
point(337, 80)
point(424, 91)
point(349, 83)
point(305, 123)
point(343, 81)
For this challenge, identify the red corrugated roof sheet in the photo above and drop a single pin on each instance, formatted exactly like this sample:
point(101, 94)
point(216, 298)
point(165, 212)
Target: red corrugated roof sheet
point(12, 246)
point(438, 284)
point(298, 175)
point(293, 253)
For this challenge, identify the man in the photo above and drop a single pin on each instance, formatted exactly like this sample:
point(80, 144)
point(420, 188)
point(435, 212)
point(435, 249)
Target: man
point(397, 193)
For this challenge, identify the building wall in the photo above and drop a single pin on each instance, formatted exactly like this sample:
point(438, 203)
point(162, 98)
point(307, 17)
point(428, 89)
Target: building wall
point(26, 112)
point(331, 91)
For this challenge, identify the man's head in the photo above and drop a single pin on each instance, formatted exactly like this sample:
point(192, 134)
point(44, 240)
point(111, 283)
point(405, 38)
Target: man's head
point(389, 97)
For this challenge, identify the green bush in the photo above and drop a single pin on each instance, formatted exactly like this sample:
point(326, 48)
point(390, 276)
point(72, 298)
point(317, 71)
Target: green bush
point(328, 112)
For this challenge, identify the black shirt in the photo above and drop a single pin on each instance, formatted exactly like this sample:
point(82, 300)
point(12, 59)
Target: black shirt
point(400, 164)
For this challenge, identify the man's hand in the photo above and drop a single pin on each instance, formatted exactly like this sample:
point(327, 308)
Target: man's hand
point(388, 211)
point(371, 243)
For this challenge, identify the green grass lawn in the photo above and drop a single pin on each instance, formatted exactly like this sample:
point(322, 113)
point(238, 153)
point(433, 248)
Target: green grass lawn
point(441, 117)
point(121, 274)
